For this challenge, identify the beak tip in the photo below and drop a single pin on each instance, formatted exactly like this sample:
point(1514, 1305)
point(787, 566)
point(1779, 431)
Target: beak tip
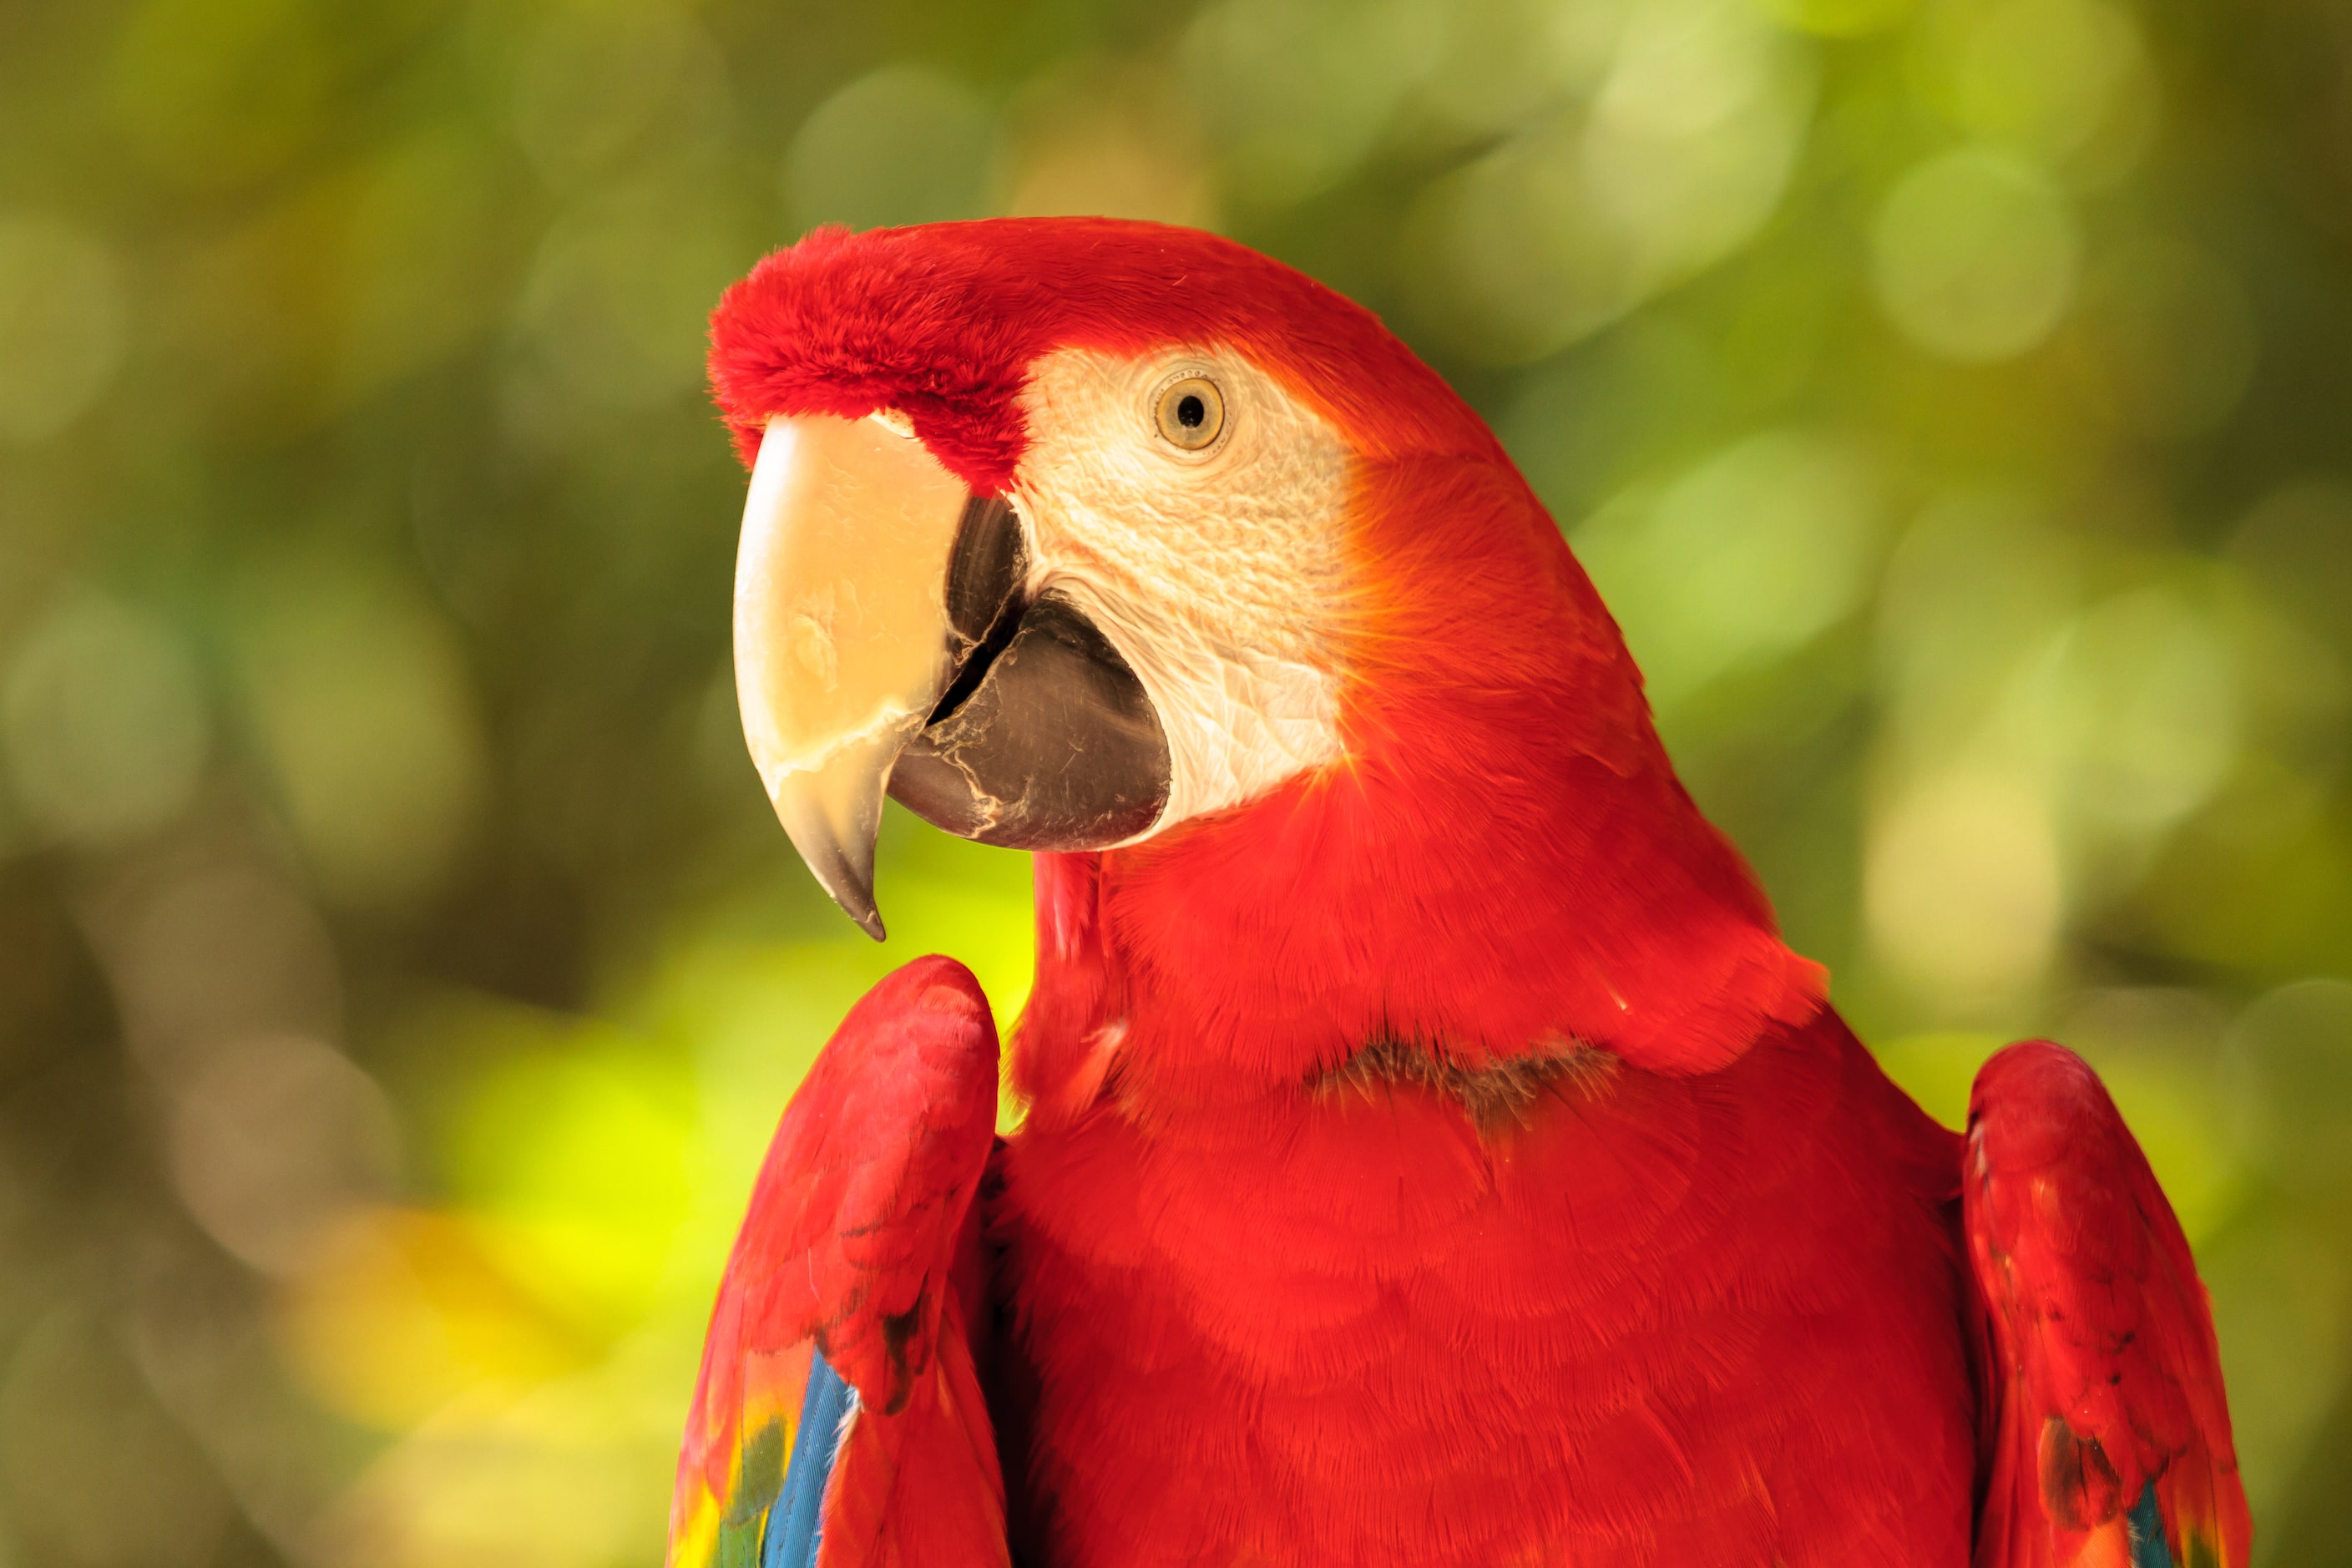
point(851, 887)
point(836, 840)
point(856, 901)
point(856, 896)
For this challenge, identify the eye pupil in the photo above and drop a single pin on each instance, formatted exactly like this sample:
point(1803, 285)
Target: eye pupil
point(1190, 412)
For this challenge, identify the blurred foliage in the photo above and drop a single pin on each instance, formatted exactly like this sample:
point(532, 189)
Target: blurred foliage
point(400, 971)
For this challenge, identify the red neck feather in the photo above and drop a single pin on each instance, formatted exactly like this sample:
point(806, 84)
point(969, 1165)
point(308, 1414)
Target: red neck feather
point(1503, 862)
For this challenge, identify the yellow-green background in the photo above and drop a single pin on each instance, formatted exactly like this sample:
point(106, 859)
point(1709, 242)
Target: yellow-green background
point(399, 971)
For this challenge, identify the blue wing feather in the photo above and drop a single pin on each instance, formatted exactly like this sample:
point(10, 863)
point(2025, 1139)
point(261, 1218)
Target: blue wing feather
point(2149, 1547)
point(793, 1524)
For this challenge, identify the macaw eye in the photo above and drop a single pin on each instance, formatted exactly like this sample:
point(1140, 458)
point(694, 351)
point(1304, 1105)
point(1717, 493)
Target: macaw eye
point(1192, 412)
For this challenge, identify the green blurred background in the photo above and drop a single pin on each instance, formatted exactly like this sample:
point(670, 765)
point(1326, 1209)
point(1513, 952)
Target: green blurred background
point(400, 971)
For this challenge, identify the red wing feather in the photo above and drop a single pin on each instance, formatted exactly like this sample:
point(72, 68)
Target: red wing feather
point(859, 1254)
point(2112, 1428)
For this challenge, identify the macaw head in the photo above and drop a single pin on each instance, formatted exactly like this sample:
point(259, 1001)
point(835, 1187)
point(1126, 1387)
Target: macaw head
point(1080, 535)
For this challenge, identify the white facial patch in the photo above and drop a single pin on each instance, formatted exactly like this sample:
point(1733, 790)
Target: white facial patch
point(1216, 574)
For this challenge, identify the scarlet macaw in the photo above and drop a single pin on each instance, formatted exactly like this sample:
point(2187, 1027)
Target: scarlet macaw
point(1432, 1153)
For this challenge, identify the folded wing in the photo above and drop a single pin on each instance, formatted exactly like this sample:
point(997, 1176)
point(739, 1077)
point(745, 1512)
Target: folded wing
point(2112, 1445)
point(838, 1418)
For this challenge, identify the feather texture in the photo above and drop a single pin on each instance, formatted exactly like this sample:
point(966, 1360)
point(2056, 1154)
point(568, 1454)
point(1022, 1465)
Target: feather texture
point(1437, 1158)
point(2113, 1442)
point(1652, 1319)
point(838, 1377)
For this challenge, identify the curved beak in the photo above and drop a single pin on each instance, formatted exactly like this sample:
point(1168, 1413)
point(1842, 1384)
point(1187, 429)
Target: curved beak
point(885, 641)
point(843, 639)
